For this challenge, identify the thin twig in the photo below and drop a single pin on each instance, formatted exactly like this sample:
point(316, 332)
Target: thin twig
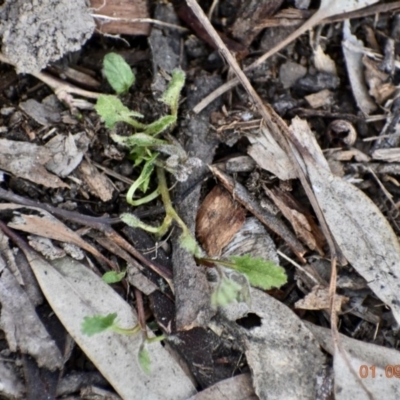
point(140, 21)
point(310, 23)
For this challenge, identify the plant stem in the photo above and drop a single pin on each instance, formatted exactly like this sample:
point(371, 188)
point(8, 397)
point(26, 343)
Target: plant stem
point(164, 192)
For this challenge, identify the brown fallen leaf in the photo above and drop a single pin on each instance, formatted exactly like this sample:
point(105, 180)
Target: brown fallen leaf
point(49, 227)
point(98, 183)
point(218, 219)
point(319, 299)
point(303, 223)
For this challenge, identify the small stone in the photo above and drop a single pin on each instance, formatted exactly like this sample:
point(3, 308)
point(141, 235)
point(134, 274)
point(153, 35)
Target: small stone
point(316, 83)
point(290, 72)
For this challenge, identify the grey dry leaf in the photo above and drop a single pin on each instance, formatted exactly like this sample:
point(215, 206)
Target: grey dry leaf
point(74, 292)
point(238, 387)
point(364, 358)
point(353, 54)
point(27, 160)
point(23, 328)
point(267, 153)
point(357, 225)
point(67, 152)
point(282, 353)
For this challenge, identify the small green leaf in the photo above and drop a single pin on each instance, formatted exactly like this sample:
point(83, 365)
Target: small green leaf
point(118, 73)
point(160, 125)
point(111, 110)
point(113, 276)
point(171, 96)
point(98, 323)
point(138, 139)
point(144, 359)
point(260, 273)
point(226, 292)
point(189, 243)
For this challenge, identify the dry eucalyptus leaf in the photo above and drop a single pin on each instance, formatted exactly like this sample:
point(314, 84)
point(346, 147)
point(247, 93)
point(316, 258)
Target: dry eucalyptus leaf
point(353, 54)
point(23, 328)
point(74, 292)
point(27, 160)
point(365, 359)
point(282, 353)
point(267, 153)
point(357, 225)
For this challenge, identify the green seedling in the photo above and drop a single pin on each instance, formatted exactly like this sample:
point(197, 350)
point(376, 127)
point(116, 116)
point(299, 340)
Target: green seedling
point(101, 323)
point(148, 152)
point(113, 276)
point(118, 73)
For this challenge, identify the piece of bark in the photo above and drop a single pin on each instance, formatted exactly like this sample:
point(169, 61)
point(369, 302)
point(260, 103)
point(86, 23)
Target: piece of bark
point(219, 218)
point(271, 221)
point(192, 290)
point(98, 183)
point(124, 9)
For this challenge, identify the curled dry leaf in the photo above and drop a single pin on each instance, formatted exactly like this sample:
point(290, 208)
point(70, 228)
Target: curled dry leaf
point(267, 153)
point(218, 219)
point(357, 225)
point(323, 62)
point(352, 50)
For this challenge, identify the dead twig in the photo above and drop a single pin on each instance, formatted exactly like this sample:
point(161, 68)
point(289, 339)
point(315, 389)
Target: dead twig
point(315, 19)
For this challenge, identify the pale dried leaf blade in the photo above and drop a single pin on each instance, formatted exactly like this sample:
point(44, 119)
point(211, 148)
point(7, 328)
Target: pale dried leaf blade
point(23, 328)
point(357, 225)
point(74, 292)
point(283, 355)
point(267, 153)
point(352, 50)
point(329, 7)
point(361, 354)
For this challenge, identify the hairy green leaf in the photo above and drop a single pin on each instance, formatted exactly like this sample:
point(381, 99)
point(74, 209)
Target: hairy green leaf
point(111, 110)
point(144, 359)
point(118, 73)
point(171, 95)
point(189, 243)
point(113, 276)
point(160, 125)
point(260, 273)
point(138, 139)
point(98, 323)
point(226, 292)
